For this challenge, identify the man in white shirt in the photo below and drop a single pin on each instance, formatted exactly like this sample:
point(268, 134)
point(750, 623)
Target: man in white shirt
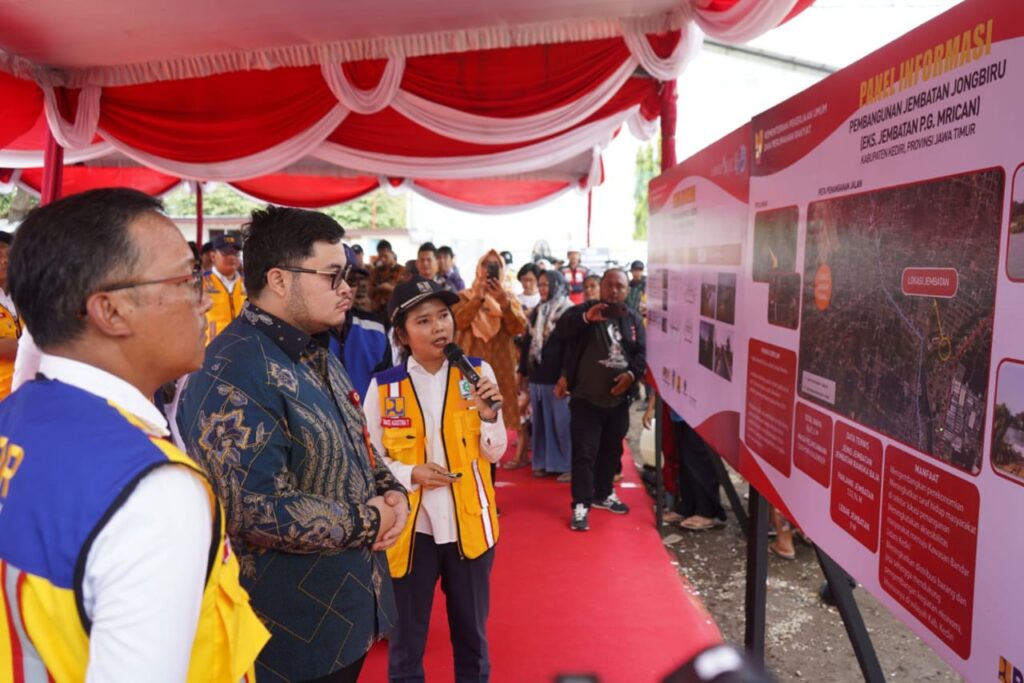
point(117, 547)
point(224, 285)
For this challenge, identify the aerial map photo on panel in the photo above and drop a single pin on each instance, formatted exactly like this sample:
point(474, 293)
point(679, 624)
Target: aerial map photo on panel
point(899, 292)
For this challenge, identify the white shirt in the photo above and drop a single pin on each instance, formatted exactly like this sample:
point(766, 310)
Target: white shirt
point(229, 283)
point(146, 570)
point(529, 301)
point(26, 363)
point(437, 506)
point(7, 302)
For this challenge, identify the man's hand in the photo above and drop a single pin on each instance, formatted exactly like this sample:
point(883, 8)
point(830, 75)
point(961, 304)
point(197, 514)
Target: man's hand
point(399, 504)
point(649, 415)
point(430, 476)
point(486, 389)
point(387, 517)
point(622, 384)
point(595, 314)
point(497, 292)
point(561, 389)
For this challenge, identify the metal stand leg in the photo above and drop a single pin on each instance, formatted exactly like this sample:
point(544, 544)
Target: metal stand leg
point(842, 593)
point(757, 576)
point(730, 492)
point(659, 478)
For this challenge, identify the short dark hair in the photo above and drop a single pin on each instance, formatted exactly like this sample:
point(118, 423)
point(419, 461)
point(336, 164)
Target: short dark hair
point(615, 270)
point(6, 238)
point(445, 251)
point(384, 244)
point(427, 246)
point(280, 236)
point(65, 251)
point(528, 268)
point(593, 276)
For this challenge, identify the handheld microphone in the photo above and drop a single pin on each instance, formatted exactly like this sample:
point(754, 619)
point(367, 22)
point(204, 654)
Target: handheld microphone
point(457, 358)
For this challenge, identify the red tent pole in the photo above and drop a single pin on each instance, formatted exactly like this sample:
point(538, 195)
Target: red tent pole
point(668, 160)
point(199, 215)
point(53, 170)
point(668, 125)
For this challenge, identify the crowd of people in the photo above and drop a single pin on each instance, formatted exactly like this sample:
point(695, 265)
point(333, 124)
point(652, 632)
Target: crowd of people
point(264, 454)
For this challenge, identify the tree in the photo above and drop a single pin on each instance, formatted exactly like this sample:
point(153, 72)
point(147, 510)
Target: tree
point(648, 165)
point(15, 206)
point(375, 210)
point(219, 201)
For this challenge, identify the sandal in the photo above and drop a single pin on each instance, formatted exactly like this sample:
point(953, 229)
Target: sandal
point(781, 555)
point(691, 525)
point(514, 464)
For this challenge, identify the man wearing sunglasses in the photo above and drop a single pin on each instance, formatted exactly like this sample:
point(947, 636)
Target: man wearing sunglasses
point(112, 545)
point(274, 418)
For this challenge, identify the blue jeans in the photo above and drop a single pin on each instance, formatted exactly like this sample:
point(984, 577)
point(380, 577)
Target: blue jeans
point(552, 444)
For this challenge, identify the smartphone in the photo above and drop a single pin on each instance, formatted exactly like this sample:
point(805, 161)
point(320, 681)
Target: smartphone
point(614, 310)
point(452, 475)
point(493, 271)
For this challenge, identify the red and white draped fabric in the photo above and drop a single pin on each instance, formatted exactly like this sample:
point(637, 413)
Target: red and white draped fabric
point(490, 103)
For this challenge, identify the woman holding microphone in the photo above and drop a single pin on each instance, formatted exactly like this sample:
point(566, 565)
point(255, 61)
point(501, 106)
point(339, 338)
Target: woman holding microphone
point(438, 434)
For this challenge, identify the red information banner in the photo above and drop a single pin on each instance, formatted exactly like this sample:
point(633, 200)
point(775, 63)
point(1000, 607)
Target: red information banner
point(929, 546)
point(930, 282)
point(771, 390)
point(857, 484)
point(812, 452)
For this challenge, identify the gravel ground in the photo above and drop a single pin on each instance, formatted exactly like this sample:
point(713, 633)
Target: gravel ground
point(805, 640)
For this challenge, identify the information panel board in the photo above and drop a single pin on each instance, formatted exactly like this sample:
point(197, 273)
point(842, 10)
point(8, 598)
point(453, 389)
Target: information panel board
point(877, 353)
point(698, 227)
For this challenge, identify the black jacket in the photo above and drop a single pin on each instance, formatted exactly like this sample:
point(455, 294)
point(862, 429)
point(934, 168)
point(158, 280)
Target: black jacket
point(573, 328)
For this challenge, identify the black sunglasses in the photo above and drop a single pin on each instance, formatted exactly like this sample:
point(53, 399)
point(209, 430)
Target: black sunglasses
point(337, 275)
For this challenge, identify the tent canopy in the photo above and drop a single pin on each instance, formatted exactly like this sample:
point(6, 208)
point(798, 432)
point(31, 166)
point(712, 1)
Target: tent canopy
point(438, 93)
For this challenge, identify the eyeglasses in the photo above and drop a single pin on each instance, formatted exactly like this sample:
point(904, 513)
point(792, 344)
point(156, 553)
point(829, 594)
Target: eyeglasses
point(337, 275)
point(196, 276)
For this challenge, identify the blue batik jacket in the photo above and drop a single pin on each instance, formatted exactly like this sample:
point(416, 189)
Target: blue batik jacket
point(274, 420)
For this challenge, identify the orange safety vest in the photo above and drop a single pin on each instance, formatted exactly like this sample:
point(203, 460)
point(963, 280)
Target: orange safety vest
point(226, 305)
point(10, 328)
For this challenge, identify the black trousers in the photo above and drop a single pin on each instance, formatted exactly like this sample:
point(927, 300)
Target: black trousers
point(350, 674)
point(597, 435)
point(698, 480)
point(467, 589)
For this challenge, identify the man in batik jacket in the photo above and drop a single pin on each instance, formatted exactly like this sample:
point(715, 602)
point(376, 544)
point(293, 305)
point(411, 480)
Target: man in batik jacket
point(274, 420)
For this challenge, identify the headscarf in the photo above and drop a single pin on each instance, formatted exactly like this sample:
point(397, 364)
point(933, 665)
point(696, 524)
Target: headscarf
point(487, 322)
point(548, 312)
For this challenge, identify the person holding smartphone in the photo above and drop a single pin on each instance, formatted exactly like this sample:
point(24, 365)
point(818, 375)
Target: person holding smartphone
point(488, 318)
point(438, 433)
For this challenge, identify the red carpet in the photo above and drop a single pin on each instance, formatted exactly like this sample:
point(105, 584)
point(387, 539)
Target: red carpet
point(606, 602)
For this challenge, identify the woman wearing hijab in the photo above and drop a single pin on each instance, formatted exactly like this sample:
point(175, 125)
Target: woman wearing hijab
point(542, 365)
point(488, 317)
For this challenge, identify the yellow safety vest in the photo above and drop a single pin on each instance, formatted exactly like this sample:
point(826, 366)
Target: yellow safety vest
point(404, 439)
point(10, 328)
point(43, 630)
point(226, 305)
